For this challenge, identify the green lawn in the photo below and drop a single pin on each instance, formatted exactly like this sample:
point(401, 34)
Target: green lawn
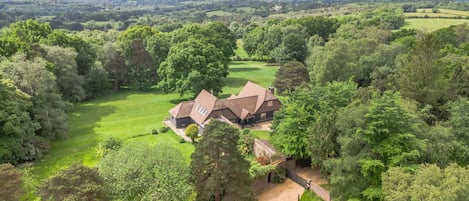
point(264, 135)
point(431, 24)
point(243, 71)
point(128, 113)
point(240, 52)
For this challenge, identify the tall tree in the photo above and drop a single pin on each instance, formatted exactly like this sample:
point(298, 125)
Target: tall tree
point(290, 76)
point(219, 170)
point(293, 46)
point(113, 61)
point(69, 83)
point(97, 82)
point(16, 125)
point(420, 74)
point(33, 78)
point(11, 187)
point(139, 171)
point(385, 138)
point(86, 54)
point(191, 66)
point(141, 67)
point(74, 183)
point(299, 128)
point(25, 34)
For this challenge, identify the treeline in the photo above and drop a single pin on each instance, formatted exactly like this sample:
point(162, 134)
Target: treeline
point(44, 71)
point(377, 110)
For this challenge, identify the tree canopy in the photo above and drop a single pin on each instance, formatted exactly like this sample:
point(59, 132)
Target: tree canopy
point(139, 171)
point(218, 169)
point(74, 183)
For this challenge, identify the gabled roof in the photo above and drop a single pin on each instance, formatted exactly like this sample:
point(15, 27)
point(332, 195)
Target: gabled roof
point(252, 89)
point(203, 106)
point(236, 105)
point(245, 114)
point(182, 109)
point(244, 105)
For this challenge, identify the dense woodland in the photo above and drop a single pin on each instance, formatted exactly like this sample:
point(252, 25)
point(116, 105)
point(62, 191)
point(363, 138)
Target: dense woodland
point(382, 111)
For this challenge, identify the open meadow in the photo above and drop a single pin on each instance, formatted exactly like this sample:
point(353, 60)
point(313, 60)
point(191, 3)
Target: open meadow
point(431, 24)
point(443, 13)
point(131, 116)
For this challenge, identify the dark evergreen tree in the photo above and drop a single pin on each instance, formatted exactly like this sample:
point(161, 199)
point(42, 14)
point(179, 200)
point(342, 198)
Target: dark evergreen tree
point(219, 170)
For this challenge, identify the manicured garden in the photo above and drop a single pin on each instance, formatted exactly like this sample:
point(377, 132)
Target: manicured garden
point(131, 116)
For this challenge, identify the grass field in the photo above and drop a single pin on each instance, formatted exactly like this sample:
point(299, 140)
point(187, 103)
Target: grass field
point(218, 13)
point(127, 115)
point(443, 13)
point(431, 24)
point(240, 52)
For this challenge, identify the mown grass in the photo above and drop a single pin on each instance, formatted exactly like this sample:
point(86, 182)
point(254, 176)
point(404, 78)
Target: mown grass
point(263, 135)
point(431, 24)
point(127, 114)
point(240, 52)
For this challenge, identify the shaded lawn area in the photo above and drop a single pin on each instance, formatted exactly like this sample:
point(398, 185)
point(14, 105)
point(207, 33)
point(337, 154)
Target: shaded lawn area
point(126, 114)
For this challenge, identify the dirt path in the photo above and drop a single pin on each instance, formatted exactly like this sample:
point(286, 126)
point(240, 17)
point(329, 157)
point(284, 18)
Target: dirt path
point(287, 191)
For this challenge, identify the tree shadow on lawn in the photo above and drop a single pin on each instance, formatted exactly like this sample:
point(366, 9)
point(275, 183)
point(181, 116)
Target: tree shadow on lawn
point(80, 146)
point(179, 100)
point(236, 82)
point(244, 69)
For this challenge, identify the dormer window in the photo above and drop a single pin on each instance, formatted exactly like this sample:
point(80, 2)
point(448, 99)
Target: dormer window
point(270, 103)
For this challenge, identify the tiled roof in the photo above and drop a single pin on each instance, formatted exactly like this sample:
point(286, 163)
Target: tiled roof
point(245, 114)
point(239, 103)
point(182, 109)
point(203, 106)
point(252, 89)
point(243, 105)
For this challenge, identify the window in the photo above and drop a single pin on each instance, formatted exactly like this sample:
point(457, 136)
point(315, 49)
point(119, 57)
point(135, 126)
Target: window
point(270, 103)
point(201, 110)
point(263, 115)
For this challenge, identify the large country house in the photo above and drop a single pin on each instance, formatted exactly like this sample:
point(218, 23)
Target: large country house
point(253, 104)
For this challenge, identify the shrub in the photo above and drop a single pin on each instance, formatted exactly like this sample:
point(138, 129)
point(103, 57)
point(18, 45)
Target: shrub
point(245, 142)
point(192, 131)
point(35, 147)
point(164, 129)
point(181, 140)
point(154, 131)
point(258, 170)
point(279, 175)
point(11, 182)
point(112, 144)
